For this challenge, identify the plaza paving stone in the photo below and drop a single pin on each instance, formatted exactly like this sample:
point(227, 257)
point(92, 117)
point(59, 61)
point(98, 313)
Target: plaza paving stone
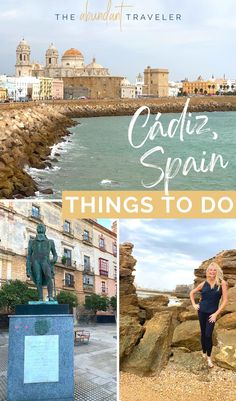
point(95, 365)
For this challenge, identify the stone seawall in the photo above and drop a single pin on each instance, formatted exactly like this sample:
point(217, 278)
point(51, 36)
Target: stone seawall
point(28, 130)
point(25, 137)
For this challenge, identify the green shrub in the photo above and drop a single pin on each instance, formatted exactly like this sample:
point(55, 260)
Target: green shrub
point(16, 292)
point(96, 302)
point(68, 298)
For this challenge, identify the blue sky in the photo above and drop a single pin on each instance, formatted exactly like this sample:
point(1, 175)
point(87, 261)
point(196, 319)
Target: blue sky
point(168, 251)
point(199, 44)
point(106, 223)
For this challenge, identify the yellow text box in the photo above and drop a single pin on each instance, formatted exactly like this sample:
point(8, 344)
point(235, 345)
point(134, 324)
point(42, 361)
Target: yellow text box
point(149, 204)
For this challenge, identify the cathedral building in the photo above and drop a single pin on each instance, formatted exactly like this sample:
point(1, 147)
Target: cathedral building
point(71, 65)
point(80, 79)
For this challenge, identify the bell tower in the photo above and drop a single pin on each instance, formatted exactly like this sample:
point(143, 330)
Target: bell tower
point(23, 66)
point(51, 56)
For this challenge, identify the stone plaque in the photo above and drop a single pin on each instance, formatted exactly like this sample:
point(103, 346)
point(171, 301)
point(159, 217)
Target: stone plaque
point(41, 359)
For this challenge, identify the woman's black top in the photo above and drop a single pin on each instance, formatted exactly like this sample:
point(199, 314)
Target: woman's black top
point(210, 298)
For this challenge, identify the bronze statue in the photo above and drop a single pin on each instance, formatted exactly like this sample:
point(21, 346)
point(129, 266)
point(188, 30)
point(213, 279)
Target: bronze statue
point(39, 267)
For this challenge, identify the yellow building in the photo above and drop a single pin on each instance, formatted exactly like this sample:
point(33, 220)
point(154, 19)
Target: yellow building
point(46, 90)
point(93, 87)
point(200, 87)
point(156, 81)
point(3, 94)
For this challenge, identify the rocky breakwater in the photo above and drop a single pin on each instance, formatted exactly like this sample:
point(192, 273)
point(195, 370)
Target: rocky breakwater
point(26, 134)
point(186, 339)
point(145, 328)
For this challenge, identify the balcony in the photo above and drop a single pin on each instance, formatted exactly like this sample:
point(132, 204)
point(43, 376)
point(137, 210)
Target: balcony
point(114, 252)
point(102, 247)
point(69, 233)
point(66, 263)
point(87, 240)
point(68, 283)
point(103, 272)
point(88, 269)
point(88, 287)
point(104, 291)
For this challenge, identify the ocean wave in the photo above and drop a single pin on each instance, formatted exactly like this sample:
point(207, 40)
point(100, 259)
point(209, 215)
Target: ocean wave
point(109, 183)
point(33, 170)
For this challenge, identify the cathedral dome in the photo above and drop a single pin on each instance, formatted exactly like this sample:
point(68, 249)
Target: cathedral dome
point(72, 52)
point(72, 58)
point(94, 64)
point(52, 48)
point(52, 51)
point(36, 66)
point(23, 44)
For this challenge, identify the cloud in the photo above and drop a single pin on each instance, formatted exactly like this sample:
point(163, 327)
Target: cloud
point(168, 251)
point(199, 44)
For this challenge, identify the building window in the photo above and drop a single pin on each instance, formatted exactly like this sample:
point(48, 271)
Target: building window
point(86, 262)
point(69, 280)
point(35, 212)
point(102, 242)
point(114, 248)
point(103, 287)
point(86, 235)
point(50, 60)
point(20, 57)
point(67, 227)
point(115, 272)
point(68, 257)
point(103, 267)
point(88, 281)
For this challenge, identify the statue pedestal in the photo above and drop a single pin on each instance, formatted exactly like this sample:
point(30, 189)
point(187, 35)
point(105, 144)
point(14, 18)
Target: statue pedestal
point(41, 354)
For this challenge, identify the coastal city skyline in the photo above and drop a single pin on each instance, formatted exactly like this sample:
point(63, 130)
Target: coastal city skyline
point(167, 253)
point(196, 37)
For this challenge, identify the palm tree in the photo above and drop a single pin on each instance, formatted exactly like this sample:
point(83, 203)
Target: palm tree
point(196, 91)
point(201, 90)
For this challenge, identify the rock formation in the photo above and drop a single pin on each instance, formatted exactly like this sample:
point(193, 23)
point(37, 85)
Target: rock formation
point(153, 351)
point(130, 328)
point(186, 334)
point(226, 260)
point(25, 139)
point(150, 330)
point(144, 349)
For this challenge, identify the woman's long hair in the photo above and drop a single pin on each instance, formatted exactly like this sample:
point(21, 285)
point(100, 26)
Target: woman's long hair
point(219, 273)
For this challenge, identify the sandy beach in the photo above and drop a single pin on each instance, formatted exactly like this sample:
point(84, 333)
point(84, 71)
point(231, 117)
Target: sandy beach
point(176, 384)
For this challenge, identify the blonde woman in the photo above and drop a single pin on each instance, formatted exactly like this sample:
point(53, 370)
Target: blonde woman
point(208, 309)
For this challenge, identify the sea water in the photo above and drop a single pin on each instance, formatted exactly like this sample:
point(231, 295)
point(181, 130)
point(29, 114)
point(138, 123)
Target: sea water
point(98, 156)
